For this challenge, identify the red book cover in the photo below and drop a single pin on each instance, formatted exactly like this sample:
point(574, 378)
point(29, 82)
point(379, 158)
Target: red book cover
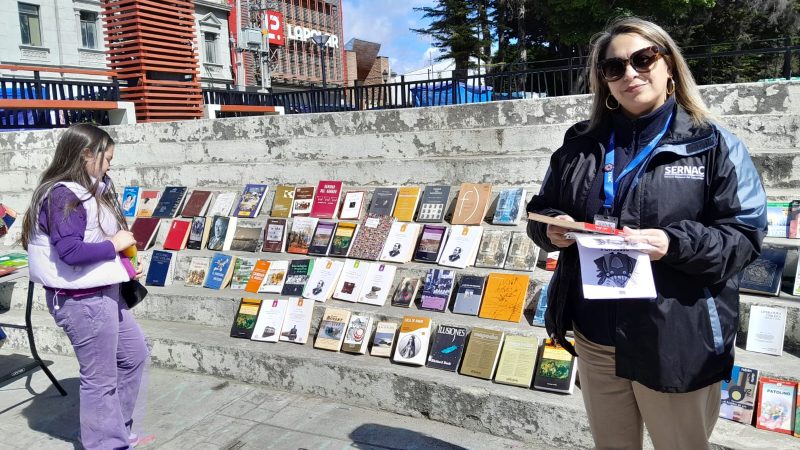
point(177, 235)
point(144, 230)
point(326, 202)
point(776, 399)
point(197, 204)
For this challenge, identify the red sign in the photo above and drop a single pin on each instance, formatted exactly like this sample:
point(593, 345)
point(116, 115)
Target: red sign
point(275, 28)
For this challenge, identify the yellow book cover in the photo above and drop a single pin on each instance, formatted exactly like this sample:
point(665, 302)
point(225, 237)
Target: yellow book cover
point(331, 329)
point(517, 361)
point(483, 349)
point(282, 203)
point(406, 205)
point(472, 203)
point(505, 296)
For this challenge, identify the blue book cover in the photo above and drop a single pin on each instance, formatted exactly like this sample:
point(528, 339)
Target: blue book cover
point(469, 294)
point(251, 200)
point(170, 202)
point(130, 201)
point(218, 271)
point(509, 203)
point(541, 307)
point(763, 276)
point(777, 219)
point(160, 270)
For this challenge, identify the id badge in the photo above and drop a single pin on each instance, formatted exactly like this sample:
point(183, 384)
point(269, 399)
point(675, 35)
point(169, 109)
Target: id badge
point(605, 221)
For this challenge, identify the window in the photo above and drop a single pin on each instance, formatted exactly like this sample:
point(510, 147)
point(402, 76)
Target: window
point(29, 24)
point(211, 47)
point(88, 29)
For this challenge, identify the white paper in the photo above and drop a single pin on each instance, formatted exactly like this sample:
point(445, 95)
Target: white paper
point(765, 330)
point(614, 269)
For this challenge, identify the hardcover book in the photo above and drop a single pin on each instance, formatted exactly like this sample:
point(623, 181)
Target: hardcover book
point(763, 276)
point(260, 270)
point(383, 200)
point(130, 201)
point(472, 203)
point(218, 233)
point(556, 368)
point(775, 405)
point(148, 199)
point(433, 204)
point(510, 205)
point(270, 319)
point(383, 340)
point(275, 277)
point(461, 247)
point(738, 396)
point(469, 294)
point(353, 205)
point(368, 243)
point(342, 238)
point(222, 205)
point(303, 200)
point(400, 242)
point(144, 231)
point(161, 270)
point(282, 203)
point(541, 307)
point(321, 240)
point(447, 348)
point(504, 298)
point(241, 272)
point(246, 316)
point(483, 350)
point(198, 268)
point(517, 361)
point(354, 275)
point(377, 284)
point(323, 279)
point(430, 243)
point(220, 271)
point(170, 202)
point(197, 204)
point(522, 254)
point(437, 289)
point(406, 204)
point(300, 234)
point(246, 238)
point(251, 200)
point(356, 337)
point(297, 323)
point(326, 203)
point(406, 292)
point(274, 236)
point(177, 235)
point(297, 276)
point(413, 341)
point(332, 328)
point(199, 233)
point(778, 219)
point(766, 329)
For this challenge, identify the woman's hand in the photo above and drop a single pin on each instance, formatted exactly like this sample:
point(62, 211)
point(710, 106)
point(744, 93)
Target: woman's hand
point(122, 240)
point(139, 270)
point(658, 240)
point(556, 234)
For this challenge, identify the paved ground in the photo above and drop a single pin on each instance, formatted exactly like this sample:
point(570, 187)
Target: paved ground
point(186, 411)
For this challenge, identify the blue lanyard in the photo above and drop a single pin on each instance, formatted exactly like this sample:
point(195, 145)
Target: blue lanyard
point(610, 185)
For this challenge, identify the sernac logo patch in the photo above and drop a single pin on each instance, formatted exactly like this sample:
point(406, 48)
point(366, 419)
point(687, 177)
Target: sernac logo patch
point(685, 172)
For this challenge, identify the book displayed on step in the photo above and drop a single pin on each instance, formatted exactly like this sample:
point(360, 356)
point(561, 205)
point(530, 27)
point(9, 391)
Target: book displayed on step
point(510, 206)
point(222, 205)
point(482, 353)
point(776, 399)
point(406, 292)
point(469, 295)
point(342, 238)
point(738, 396)
point(274, 236)
point(541, 307)
point(352, 280)
point(321, 240)
point(300, 234)
point(177, 235)
point(198, 269)
point(517, 361)
point(437, 289)
point(400, 242)
point(778, 219)
point(7, 217)
point(504, 296)
point(326, 202)
point(221, 227)
point(383, 340)
point(763, 276)
point(130, 201)
point(461, 247)
point(170, 202)
point(556, 369)
point(431, 243)
point(794, 220)
point(161, 270)
point(766, 329)
point(406, 204)
point(275, 277)
point(368, 242)
point(260, 270)
point(796, 287)
point(413, 341)
point(447, 347)
point(383, 200)
point(522, 253)
point(303, 200)
point(242, 269)
point(144, 230)
point(251, 200)
point(356, 336)
point(472, 203)
point(297, 322)
point(197, 204)
point(148, 199)
point(270, 319)
point(282, 202)
point(247, 238)
point(331, 329)
point(493, 249)
point(433, 204)
point(246, 316)
point(296, 276)
point(220, 271)
point(15, 260)
point(199, 233)
point(353, 205)
point(323, 279)
point(377, 284)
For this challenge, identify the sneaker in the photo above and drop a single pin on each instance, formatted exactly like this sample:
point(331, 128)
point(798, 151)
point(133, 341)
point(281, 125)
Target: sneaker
point(135, 441)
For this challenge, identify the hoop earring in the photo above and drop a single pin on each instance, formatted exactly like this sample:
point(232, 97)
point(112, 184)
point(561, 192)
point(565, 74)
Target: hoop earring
point(615, 101)
point(670, 83)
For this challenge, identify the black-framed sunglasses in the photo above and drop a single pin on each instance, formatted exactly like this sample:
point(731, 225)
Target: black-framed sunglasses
point(612, 69)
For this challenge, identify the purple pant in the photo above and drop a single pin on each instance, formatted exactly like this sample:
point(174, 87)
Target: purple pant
point(112, 355)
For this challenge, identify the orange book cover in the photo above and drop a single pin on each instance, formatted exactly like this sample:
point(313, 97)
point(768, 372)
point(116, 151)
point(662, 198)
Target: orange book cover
point(472, 203)
point(505, 296)
point(178, 235)
point(257, 276)
point(406, 204)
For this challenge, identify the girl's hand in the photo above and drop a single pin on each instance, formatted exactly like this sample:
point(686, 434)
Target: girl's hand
point(139, 270)
point(556, 234)
point(658, 239)
point(122, 240)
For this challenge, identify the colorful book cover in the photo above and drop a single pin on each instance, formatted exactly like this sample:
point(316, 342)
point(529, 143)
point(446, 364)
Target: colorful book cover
point(300, 235)
point(433, 204)
point(406, 292)
point(413, 341)
point(148, 199)
point(383, 340)
point(437, 289)
point(7, 217)
point(369, 241)
point(509, 206)
point(303, 200)
point(159, 273)
point(504, 298)
point(332, 328)
point(274, 235)
point(738, 396)
point(321, 240)
point(556, 369)
point(275, 277)
point(430, 243)
point(778, 219)
point(776, 405)
point(297, 276)
point(130, 201)
point(282, 203)
point(326, 202)
point(220, 270)
point(406, 204)
point(447, 348)
point(342, 238)
point(170, 202)
point(541, 307)
point(241, 272)
point(177, 235)
point(15, 260)
point(251, 200)
point(198, 269)
point(245, 320)
point(794, 220)
point(260, 270)
point(357, 335)
point(198, 232)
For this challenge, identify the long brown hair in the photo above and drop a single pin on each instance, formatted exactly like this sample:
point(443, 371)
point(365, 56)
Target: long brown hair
point(69, 164)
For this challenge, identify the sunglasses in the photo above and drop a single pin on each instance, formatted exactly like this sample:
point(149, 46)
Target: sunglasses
point(612, 69)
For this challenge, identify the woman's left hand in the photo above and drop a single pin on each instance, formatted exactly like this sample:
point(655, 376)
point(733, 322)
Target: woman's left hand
point(658, 240)
point(139, 270)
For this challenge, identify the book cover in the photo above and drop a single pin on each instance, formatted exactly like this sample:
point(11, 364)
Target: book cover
point(218, 232)
point(469, 295)
point(522, 254)
point(270, 319)
point(556, 368)
point(198, 233)
point(413, 341)
point(251, 200)
point(241, 272)
point(297, 276)
point(430, 243)
point(437, 289)
point(766, 329)
point(778, 219)
point(383, 199)
point(353, 205)
point(198, 268)
point(356, 337)
point(282, 203)
point(797, 415)
point(763, 276)
point(493, 249)
point(377, 284)
point(775, 405)
point(130, 201)
point(196, 204)
point(369, 241)
point(352, 280)
point(303, 200)
point(246, 238)
point(472, 203)
point(406, 204)
point(541, 307)
point(300, 234)
point(383, 340)
point(177, 235)
point(483, 351)
point(406, 292)
point(331, 329)
point(796, 287)
point(342, 238)
point(509, 206)
point(275, 277)
point(161, 269)
point(220, 271)
point(7, 218)
point(504, 298)
point(170, 202)
point(148, 199)
point(222, 205)
point(433, 204)
point(517, 361)
point(447, 348)
point(246, 316)
point(297, 323)
point(323, 279)
point(461, 247)
point(274, 236)
point(552, 261)
point(16, 260)
point(144, 231)
point(326, 203)
point(260, 270)
point(738, 396)
point(321, 240)
point(400, 242)
point(794, 220)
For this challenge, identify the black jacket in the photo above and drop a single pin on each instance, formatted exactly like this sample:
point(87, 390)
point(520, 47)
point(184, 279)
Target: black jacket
point(701, 188)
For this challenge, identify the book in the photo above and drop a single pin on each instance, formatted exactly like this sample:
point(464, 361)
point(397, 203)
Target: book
point(522, 253)
point(430, 243)
point(433, 204)
point(447, 347)
point(406, 292)
point(437, 289)
point(797, 415)
point(218, 234)
point(541, 307)
point(198, 268)
point(369, 241)
point(351, 281)
point(552, 261)
point(413, 340)
point(377, 284)
point(251, 200)
point(275, 277)
point(282, 202)
point(469, 294)
point(504, 297)
point(161, 270)
point(331, 329)
point(246, 316)
point(342, 238)
point(581, 227)
point(778, 219)
point(738, 396)
point(461, 247)
point(247, 238)
point(356, 336)
point(400, 242)
point(148, 199)
point(199, 232)
point(300, 234)
point(170, 202)
point(766, 329)
point(510, 205)
point(222, 205)
point(406, 204)
point(144, 231)
point(517, 361)
point(482, 353)
point(296, 276)
point(763, 276)
point(196, 204)
point(322, 280)
point(270, 319)
point(471, 204)
point(326, 202)
point(383, 199)
point(274, 236)
point(177, 235)
point(353, 205)
point(260, 270)
point(130, 201)
point(241, 272)
point(220, 271)
point(383, 340)
point(321, 240)
point(796, 287)
point(794, 226)
point(556, 369)
point(16, 260)
point(493, 249)
point(7, 217)
point(297, 322)
point(776, 399)
point(303, 200)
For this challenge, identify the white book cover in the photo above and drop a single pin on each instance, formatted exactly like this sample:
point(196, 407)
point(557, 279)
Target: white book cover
point(461, 247)
point(612, 268)
point(222, 205)
point(354, 275)
point(297, 323)
point(383, 340)
point(230, 233)
point(270, 320)
point(323, 279)
point(796, 288)
point(412, 345)
point(766, 329)
point(377, 284)
point(400, 243)
point(352, 205)
point(274, 278)
point(356, 337)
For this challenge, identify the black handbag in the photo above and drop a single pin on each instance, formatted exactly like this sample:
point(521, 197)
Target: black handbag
point(132, 292)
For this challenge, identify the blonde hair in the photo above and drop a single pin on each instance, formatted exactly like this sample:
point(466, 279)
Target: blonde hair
point(686, 92)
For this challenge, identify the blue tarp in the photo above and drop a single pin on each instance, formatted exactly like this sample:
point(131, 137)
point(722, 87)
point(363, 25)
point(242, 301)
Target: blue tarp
point(437, 94)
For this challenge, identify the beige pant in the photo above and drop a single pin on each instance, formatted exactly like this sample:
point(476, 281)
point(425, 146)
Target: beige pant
point(617, 406)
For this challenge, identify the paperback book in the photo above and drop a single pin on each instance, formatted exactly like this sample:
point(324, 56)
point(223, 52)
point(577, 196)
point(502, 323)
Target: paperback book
point(356, 337)
point(326, 203)
point(332, 328)
point(509, 206)
point(220, 271)
point(251, 200)
point(461, 247)
point(406, 204)
point(541, 307)
point(483, 350)
point(437, 289)
point(246, 316)
point(242, 269)
point(369, 241)
point(353, 205)
point(738, 396)
point(148, 199)
point(413, 341)
point(556, 369)
point(447, 348)
point(144, 231)
point(177, 235)
point(504, 298)
point(778, 219)
point(433, 204)
point(300, 234)
point(196, 204)
point(383, 199)
point(493, 249)
point(247, 238)
point(275, 277)
point(170, 202)
point(130, 201)
point(303, 200)
point(400, 242)
point(199, 233)
point(517, 361)
point(472, 203)
point(257, 276)
point(766, 329)
point(222, 205)
point(469, 295)
point(776, 399)
point(270, 320)
point(406, 292)
point(161, 270)
point(430, 243)
point(198, 269)
point(342, 238)
point(297, 276)
point(377, 284)
point(321, 240)
point(282, 203)
point(323, 279)
point(352, 280)
point(297, 323)
point(522, 254)
point(274, 236)
point(383, 340)
point(219, 232)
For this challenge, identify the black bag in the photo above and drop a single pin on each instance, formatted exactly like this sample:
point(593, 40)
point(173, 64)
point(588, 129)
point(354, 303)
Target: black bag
point(132, 292)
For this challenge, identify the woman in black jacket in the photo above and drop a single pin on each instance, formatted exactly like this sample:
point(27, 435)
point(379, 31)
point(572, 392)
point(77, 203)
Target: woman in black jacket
point(651, 161)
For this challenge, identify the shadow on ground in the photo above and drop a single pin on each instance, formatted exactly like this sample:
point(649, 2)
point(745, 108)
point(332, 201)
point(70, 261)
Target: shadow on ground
point(372, 436)
point(51, 414)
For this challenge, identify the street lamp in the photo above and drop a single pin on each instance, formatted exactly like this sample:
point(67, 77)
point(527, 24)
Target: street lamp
point(321, 40)
point(385, 76)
